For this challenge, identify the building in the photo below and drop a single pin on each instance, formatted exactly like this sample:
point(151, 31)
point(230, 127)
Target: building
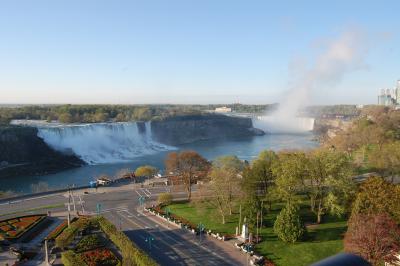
point(390, 97)
point(223, 109)
point(103, 181)
point(385, 99)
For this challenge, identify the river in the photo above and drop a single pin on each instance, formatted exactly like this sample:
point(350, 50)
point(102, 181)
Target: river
point(244, 148)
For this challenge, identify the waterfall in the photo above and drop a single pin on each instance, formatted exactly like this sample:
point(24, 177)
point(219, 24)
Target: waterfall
point(102, 142)
point(276, 124)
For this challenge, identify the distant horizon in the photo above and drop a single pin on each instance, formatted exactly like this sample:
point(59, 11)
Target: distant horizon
point(144, 104)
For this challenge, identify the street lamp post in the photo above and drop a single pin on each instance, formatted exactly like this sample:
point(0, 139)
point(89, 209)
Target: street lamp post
point(200, 226)
point(149, 240)
point(46, 252)
point(98, 208)
point(141, 201)
point(69, 207)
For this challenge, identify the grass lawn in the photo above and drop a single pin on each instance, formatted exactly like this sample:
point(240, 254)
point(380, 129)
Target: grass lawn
point(320, 242)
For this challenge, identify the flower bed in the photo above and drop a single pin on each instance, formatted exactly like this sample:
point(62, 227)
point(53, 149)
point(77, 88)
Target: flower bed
point(59, 229)
point(100, 257)
point(16, 227)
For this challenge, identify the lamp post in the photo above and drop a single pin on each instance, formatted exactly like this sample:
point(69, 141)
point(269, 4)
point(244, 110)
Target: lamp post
point(98, 208)
point(149, 240)
point(200, 226)
point(46, 252)
point(69, 207)
point(141, 201)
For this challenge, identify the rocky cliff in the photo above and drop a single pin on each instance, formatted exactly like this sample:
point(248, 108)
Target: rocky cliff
point(22, 152)
point(190, 128)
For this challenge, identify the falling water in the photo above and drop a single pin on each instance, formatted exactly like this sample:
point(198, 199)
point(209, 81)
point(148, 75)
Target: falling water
point(102, 142)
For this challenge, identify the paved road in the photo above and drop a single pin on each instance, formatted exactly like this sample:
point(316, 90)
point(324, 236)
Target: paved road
point(171, 246)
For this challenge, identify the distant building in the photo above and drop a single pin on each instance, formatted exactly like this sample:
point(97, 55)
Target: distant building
point(390, 97)
point(386, 100)
point(223, 109)
point(398, 91)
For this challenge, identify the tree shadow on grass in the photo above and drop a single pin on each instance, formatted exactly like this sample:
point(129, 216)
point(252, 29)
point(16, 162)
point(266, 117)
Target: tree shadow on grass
point(326, 234)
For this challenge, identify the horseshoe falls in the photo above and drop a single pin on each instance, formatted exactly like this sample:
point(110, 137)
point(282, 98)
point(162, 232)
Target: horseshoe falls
point(279, 124)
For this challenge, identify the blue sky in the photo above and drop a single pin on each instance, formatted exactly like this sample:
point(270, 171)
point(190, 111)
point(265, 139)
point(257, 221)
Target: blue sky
point(187, 51)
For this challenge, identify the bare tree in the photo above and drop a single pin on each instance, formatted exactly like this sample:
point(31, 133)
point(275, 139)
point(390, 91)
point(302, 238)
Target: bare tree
point(224, 186)
point(189, 166)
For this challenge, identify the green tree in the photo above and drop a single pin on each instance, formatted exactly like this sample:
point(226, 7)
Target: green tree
point(146, 170)
point(65, 118)
point(120, 117)
point(100, 117)
point(386, 159)
point(142, 114)
point(288, 225)
point(328, 183)
point(257, 185)
point(377, 195)
point(290, 170)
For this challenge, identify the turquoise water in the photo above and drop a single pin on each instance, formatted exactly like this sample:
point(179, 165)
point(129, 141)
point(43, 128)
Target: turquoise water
point(245, 148)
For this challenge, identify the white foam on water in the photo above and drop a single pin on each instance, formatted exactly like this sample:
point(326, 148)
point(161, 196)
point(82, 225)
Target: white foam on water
point(102, 142)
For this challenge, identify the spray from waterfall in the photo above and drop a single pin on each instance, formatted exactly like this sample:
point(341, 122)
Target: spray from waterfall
point(341, 56)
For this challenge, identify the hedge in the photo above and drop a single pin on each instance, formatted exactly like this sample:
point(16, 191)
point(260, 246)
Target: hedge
point(67, 236)
point(131, 254)
point(69, 258)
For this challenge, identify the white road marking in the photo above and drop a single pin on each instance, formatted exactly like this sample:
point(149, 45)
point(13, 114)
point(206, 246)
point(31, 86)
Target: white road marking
point(148, 226)
point(145, 193)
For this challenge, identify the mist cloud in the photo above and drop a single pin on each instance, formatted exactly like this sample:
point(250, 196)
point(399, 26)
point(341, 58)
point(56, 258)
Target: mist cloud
point(340, 57)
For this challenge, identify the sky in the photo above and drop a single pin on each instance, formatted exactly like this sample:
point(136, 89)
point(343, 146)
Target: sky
point(187, 52)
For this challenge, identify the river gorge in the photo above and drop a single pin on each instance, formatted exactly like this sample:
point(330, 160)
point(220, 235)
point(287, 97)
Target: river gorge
point(106, 148)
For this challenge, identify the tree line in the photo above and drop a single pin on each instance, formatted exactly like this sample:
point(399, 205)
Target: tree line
point(93, 113)
point(122, 113)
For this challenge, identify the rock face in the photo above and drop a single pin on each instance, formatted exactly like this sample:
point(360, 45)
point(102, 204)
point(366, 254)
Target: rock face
point(185, 129)
point(22, 152)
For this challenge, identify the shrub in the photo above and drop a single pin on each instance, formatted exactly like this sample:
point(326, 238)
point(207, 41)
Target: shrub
point(69, 258)
point(164, 198)
point(89, 242)
point(67, 236)
point(288, 225)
